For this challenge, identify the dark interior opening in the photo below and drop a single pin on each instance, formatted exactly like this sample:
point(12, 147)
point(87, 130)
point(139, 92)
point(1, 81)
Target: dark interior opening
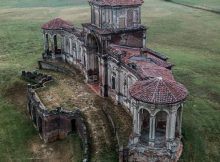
point(29, 108)
point(40, 125)
point(34, 115)
point(73, 125)
point(113, 82)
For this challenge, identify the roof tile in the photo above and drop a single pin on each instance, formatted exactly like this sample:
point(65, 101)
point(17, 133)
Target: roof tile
point(57, 24)
point(158, 91)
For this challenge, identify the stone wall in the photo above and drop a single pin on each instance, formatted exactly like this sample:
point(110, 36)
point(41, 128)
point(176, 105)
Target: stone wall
point(57, 123)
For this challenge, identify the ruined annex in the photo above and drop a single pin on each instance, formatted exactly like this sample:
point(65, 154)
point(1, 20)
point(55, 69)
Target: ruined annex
point(111, 52)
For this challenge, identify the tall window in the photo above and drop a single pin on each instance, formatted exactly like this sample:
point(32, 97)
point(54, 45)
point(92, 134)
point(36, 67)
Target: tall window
point(122, 22)
point(96, 16)
point(136, 17)
point(130, 16)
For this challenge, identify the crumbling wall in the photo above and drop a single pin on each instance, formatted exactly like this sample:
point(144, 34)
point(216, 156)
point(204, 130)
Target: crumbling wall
point(53, 124)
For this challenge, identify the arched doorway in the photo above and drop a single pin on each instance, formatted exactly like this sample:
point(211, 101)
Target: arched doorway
point(40, 127)
point(93, 46)
point(145, 125)
point(160, 129)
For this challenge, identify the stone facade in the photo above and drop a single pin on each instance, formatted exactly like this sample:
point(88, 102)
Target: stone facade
point(111, 52)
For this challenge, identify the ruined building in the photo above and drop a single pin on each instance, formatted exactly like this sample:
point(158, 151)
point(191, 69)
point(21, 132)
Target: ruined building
point(111, 52)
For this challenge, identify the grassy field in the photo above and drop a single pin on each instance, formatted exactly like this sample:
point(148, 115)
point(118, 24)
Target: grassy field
point(211, 4)
point(191, 38)
point(40, 3)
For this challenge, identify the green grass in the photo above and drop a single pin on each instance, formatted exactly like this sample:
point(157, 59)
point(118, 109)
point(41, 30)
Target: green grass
point(15, 130)
point(211, 4)
point(40, 3)
point(189, 37)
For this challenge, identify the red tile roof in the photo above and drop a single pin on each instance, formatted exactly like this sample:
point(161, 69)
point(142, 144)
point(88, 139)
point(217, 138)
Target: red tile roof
point(149, 70)
point(57, 24)
point(129, 52)
point(158, 91)
point(117, 2)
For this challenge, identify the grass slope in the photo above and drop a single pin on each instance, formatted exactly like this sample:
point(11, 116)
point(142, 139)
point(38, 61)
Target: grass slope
point(211, 4)
point(189, 37)
point(40, 3)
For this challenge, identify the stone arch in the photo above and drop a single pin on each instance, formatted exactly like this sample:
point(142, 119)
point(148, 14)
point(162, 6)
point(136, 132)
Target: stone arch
point(161, 128)
point(93, 41)
point(144, 108)
point(159, 110)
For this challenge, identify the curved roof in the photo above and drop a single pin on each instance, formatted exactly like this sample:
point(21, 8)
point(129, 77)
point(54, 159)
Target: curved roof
point(117, 2)
point(158, 91)
point(57, 24)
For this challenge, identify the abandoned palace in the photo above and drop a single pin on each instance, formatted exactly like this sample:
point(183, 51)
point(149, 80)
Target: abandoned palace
point(111, 52)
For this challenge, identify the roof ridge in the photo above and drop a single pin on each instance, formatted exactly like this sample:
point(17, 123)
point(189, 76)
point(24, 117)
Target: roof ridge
point(154, 94)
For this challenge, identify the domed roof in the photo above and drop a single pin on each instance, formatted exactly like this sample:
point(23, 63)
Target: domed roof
point(117, 2)
point(57, 24)
point(158, 91)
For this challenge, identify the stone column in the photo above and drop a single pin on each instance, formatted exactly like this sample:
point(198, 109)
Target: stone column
point(152, 130)
point(172, 125)
point(135, 121)
point(63, 48)
point(180, 120)
point(53, 47)
point(136, 126)
point(138, 122)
